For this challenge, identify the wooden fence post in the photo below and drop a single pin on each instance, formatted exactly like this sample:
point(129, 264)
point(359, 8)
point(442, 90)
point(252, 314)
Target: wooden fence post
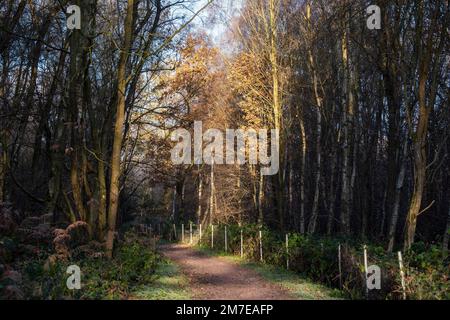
point(365, 271)
point(402, 274)
point(182, 233)
point(190, 233)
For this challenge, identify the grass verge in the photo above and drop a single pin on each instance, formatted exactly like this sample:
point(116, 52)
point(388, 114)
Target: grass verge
point(169, 284)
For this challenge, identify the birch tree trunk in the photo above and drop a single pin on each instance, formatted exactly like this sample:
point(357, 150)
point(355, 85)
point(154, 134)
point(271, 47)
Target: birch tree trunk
point(260, 199)
point(239, 201)
point(200, 189)
point(211, 195)
point(254, 187)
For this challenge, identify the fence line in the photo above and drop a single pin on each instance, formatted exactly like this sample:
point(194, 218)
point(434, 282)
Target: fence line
point(287, 251)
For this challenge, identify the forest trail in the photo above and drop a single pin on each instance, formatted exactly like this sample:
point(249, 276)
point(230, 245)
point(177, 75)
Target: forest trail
point(214, 278)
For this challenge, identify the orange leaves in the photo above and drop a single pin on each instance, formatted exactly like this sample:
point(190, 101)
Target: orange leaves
point(250, 84)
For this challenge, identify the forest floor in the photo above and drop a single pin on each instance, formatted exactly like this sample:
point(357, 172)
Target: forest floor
point(212, 277)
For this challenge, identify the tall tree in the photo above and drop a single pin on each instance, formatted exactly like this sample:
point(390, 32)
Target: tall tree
point(114, 189)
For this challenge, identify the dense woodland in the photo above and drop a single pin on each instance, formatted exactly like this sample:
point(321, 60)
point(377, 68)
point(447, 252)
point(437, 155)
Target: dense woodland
point(86, 116)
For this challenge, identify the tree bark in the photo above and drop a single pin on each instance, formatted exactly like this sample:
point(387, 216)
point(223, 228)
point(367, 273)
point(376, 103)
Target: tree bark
point(446, 235)
point(199, 197)
point(302, 176)
point(114, 191)
point(211, 195)
point(347, 120)
point(420, 163)
point(276, 96)
point(314, 214)
point(396, 205)
point(260, 199)
point(426, 101)
point(2, 172)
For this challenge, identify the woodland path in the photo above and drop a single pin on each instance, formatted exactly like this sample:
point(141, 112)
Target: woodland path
point(214, 278)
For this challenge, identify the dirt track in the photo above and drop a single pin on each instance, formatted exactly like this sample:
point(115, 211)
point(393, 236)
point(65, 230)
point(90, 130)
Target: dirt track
point(214, 278)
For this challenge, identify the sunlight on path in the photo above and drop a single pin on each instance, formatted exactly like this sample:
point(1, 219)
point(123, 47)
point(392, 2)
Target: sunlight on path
point(229, 277)
point(213, 278)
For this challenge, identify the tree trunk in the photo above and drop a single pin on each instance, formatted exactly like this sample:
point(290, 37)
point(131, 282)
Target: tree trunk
point(276, 96)
point(426, 101)
point(211, 195)
point(174, 205)
point(347, 120)
point(2, 172)
point(396, 204)
point(315, 209)
point(260, 199)
point(302, 176)
point(200, 189)
point(239, 201)
point(291, 191)
point(446, 235)
point(331, 198)
point(313, 220)
point(102, 213)
point(420, 166)
point(118, 130)
point(74, 111)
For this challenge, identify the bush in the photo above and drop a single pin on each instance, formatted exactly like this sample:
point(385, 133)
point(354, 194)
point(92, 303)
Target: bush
point(134, 264)
point(427, 273)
